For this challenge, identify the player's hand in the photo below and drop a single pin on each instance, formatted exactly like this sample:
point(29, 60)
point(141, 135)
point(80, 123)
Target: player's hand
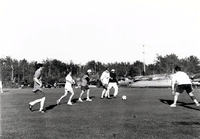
point(41, 84)
point(173, 92)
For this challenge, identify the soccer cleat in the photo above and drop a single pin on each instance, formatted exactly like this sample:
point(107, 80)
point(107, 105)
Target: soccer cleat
point(58, 102)
point(80, 100)
point(197, 104)
point(30, 107)
point(69, 103)
point(173, 105)
point(42, 111)
point(88, 99)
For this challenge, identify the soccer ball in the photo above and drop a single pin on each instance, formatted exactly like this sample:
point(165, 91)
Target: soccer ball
point(123, 97)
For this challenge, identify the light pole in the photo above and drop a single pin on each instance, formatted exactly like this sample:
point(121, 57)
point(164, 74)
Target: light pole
point(1, 86)
point(144, 71)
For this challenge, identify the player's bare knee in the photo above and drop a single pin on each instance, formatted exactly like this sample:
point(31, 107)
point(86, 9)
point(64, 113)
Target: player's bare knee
point(191, 94)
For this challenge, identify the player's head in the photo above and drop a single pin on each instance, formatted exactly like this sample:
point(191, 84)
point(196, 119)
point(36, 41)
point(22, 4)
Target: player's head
point(113, 70)
point(106, 68)
point(89, 71)
point(177, 68)
point(39, 65)
point(68, 71)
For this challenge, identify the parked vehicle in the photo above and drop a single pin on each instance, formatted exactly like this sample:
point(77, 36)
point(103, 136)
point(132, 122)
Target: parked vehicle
point(60, 85)
point(124, 81)
point(47, 85)
point(196, 80)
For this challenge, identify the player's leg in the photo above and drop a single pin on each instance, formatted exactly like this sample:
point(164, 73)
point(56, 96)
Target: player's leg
point(65, 94)
point(189, 90)
point(70, 98)
point(1, 90)
point(193, 98)
point(32, 103)
point(42, 104)
point(106, 91)
point(103, 92)
point(88, 95)
point(116, 90)
point(178, 90)
point(82, 92)
point(110, 85)
point(42, 96)
point(39, 96)
point(175, 99)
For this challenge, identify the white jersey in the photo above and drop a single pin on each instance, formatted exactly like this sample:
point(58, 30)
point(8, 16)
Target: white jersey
point(180, 78)
point(69, 82)
point(105, 77)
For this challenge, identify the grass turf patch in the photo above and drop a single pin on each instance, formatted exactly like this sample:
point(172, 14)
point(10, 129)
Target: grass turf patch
point(145, 114)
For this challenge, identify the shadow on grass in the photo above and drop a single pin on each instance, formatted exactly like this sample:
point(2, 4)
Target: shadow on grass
point(75, 100)
point(50, 107)
point(183, 104)
point(6, 91)
point(186, 123)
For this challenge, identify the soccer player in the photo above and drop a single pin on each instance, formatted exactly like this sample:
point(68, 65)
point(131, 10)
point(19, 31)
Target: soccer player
point(1, 90)
point(68, 88)
point(85, 86)
point(113, 83)
point(182, 82)
point(105, 79)
point(37, 89)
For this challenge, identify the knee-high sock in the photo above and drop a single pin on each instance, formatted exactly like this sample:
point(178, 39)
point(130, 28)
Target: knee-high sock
point(176, 98)
point(70, 98)
point(88, 94)
point(35, 101)
point(82, 92)
point(42, 103)
point(103, 92)
point(66, 92)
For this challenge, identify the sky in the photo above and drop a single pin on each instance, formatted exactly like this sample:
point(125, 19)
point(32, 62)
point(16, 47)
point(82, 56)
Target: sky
point(102, 30)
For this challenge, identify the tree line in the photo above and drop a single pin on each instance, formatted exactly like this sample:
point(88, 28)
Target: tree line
point(21, 71)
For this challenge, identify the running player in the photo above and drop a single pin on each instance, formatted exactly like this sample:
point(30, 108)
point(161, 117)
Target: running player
point(38, 89)
point(1, 90)
point(105, 79)
point(182, 82)
point(113, 83)
point(85, 86)
point(68, 88)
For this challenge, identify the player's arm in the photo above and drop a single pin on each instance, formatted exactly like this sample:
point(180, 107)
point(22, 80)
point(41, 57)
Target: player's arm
point(37, 81)
point(73, 82)
point(101, 78)
point(88, 80)
point(173, 86)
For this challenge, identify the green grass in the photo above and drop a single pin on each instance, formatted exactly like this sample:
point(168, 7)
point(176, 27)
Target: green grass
point(145, 115)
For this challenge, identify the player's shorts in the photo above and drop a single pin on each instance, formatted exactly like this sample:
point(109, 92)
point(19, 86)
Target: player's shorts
point(84, 87)
point(68, 87)
point(105, 86)
point(39, 92)
point(187, 87)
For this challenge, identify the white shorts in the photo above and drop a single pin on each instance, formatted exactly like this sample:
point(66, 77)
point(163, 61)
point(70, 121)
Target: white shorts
point(68, 87)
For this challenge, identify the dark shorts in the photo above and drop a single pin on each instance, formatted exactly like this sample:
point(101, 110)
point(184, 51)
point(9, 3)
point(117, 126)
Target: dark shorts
point(187, 87)
point(105, 86)
point(39, 93)
point(84, 88)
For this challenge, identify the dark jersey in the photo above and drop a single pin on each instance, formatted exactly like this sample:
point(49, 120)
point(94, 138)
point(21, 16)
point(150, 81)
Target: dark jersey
point(113, 78)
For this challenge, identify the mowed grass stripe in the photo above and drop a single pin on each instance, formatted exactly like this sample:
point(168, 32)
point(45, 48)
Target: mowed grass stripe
point(145, 114)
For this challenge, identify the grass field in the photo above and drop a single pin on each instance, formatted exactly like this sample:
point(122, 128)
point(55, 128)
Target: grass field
point(144, 115)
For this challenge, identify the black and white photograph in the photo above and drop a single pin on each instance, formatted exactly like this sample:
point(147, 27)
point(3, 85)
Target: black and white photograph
point(99, 69)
